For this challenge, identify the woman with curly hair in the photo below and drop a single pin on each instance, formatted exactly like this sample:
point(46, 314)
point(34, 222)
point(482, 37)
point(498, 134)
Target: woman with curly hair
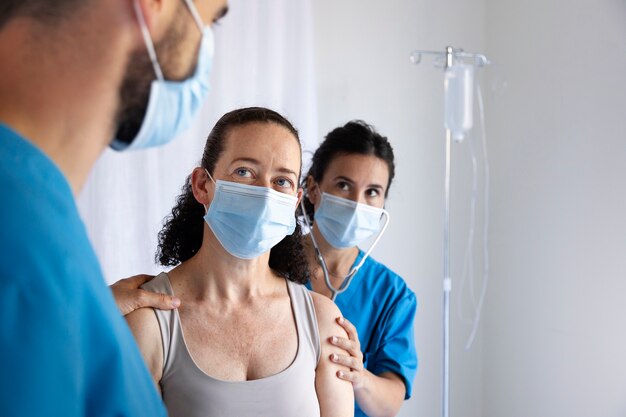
point(248, 338)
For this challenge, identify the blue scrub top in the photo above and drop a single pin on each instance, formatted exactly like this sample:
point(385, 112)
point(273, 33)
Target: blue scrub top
point(382, 308)
point(65, 349)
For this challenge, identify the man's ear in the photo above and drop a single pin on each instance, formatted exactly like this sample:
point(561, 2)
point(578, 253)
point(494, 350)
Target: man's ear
point(201, 186)
point(144, 9)
point(157, 14)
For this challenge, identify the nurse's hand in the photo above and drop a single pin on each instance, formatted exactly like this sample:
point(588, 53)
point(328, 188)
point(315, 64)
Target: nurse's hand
point(129, 297)
point(354, 359)
point(377, 395)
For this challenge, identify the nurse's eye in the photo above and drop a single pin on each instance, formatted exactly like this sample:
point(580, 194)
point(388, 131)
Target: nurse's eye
point(284, 183)
point(372, 192)
point(343, 186)
point(243, 173)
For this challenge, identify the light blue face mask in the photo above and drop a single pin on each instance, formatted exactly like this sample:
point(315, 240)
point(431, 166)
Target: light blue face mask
point(345, 223)
point(248, 220)
point(172, 105)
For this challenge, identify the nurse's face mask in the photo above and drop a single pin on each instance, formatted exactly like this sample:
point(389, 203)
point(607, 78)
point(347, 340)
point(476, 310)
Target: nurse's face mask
point(171, 105)
point(345, 223)
point(249, 220)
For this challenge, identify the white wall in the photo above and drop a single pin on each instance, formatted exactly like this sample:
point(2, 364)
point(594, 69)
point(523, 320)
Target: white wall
point(553, 341)
point(555, 335)
point(363, 71)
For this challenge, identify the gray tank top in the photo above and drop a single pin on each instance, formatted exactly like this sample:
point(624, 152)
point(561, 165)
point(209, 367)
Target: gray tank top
point(187, 391)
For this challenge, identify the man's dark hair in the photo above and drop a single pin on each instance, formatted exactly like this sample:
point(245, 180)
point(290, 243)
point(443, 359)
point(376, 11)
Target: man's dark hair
point(45, 11)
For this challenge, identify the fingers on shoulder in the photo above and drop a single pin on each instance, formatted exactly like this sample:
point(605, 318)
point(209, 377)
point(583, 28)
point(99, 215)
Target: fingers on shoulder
point(133, 282)
point(146, 298)
point(140, 279)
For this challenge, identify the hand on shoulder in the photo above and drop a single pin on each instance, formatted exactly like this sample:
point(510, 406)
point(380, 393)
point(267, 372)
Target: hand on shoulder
point(130, 297)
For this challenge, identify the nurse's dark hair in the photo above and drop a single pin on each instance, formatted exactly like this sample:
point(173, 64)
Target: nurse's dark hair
point(181, 236)
point(355, 137)
point(44, 11)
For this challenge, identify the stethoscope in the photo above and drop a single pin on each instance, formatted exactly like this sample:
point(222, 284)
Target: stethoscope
point(334, 292)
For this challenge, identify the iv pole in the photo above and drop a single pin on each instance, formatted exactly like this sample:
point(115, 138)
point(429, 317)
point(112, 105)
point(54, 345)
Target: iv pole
point(447, 281)
point(479, 60)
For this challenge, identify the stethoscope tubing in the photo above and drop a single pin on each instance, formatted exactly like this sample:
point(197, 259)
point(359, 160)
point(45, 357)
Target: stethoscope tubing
point(334, 292)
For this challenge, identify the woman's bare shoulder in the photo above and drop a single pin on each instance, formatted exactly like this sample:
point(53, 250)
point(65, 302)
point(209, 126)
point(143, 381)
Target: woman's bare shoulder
point(327, 314)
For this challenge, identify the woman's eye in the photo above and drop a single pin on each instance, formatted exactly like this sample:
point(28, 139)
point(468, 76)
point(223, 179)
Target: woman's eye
point(372, 192)
point(343, 186)
point(284, 183)
point(243, 172)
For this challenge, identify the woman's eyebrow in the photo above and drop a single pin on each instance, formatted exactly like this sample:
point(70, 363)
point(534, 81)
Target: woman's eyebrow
point(287, 171)
point(342, 178)
point(246, 159)
point(253, 161)
point(348, 180)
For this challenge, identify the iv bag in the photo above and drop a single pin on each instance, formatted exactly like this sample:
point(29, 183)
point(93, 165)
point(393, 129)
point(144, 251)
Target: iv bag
point(458, 99)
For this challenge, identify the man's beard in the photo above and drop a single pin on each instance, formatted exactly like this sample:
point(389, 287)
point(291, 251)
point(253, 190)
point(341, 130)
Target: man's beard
point(135, 88)
point(134, 96)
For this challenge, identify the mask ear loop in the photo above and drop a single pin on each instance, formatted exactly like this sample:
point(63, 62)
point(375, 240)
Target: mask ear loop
point(334, 292)
point(194, 13)
point(148, 41)
point(211, 178)
point(209, 175)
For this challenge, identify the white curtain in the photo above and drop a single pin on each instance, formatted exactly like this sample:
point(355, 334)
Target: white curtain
point(264, 57)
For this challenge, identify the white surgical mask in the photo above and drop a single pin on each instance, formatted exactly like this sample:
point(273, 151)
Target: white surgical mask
point(248, 220)
point(172, 105)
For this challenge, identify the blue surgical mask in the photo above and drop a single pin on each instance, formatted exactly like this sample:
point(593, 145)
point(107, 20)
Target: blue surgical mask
point(172, 105)
point(345, 223)
point(249, 220)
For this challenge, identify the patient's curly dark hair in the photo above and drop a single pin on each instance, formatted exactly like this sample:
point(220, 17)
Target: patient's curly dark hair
point(181, 236)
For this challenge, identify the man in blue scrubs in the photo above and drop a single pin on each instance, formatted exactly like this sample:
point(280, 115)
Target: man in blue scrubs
point(73, 73)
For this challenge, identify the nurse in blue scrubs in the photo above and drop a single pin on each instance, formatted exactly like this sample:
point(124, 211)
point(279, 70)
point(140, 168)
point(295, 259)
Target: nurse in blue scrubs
point(345, 192)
